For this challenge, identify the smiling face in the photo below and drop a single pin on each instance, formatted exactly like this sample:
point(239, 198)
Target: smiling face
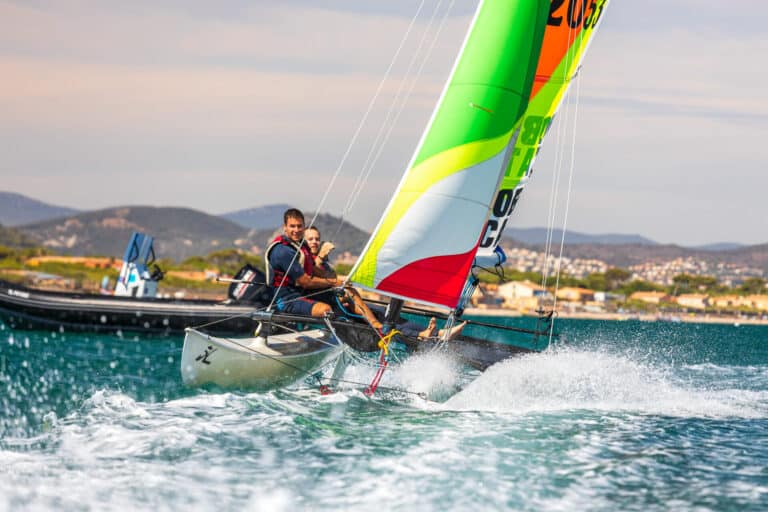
point(312, 236)
point(294, 228)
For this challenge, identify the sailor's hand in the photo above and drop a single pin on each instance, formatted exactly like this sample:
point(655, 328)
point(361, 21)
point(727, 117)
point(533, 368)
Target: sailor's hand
point(325, 248)
point(335, 282)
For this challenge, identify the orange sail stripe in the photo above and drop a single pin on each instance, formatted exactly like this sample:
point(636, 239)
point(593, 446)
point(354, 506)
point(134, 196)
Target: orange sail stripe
point(558, 41)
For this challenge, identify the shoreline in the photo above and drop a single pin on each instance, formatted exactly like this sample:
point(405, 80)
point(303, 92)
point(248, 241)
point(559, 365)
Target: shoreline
point(643, 317)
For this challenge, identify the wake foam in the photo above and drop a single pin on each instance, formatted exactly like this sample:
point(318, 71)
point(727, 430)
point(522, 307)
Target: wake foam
point(435, 375)
point(567, 379)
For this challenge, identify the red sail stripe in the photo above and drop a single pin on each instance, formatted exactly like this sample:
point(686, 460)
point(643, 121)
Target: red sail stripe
point(439, 279)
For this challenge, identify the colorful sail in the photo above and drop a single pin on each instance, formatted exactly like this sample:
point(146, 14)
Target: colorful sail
point(570, 27)
point(424, 245)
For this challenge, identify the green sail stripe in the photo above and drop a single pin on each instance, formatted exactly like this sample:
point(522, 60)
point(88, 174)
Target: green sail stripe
point(492, 74)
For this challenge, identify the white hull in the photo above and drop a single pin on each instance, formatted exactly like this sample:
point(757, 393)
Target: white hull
point(252, 363)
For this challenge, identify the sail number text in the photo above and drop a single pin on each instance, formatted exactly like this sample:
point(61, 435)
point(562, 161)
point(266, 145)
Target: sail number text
point(586, 12)
point(506, 199)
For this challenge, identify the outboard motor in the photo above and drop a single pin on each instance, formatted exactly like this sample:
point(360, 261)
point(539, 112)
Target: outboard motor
point(249, 287)
point(136, 279)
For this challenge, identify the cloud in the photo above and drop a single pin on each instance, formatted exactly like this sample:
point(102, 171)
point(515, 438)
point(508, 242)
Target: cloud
point(237, 97)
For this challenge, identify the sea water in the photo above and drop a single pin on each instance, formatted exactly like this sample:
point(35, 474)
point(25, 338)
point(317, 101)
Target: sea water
point(621, 416)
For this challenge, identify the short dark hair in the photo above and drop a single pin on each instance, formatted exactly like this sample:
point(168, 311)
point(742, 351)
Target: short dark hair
point(292, 213)
point(315, 228)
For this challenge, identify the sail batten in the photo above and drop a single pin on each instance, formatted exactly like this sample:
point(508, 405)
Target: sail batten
point(423, 247)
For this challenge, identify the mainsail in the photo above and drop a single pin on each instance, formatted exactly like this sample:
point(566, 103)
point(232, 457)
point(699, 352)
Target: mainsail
point(425, 243)
point(570, 27)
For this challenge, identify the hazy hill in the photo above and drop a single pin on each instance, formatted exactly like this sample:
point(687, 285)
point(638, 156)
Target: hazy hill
point(538, 236)
point(261, 217)
point(722, 246)
point(179, 232)
point(625, 255)
point(16, 210)
point(14, 238)
point(267, 220)
point(345, 237)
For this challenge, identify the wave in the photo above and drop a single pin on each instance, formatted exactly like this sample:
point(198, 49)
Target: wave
point(570, 379)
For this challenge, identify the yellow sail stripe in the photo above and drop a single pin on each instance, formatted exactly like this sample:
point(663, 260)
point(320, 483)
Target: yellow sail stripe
point(420, 179)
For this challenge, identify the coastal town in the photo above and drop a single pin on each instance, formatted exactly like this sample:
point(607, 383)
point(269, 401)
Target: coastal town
point(681, 289)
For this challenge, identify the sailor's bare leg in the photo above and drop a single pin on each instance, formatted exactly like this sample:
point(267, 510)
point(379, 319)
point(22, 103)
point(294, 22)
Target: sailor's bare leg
point(430, 330)
point(453, 332)
point(319, 309)
point(361, 308)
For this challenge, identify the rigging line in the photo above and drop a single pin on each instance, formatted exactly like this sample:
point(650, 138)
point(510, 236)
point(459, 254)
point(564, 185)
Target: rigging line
point(570, 188)
point(566, 78)
point(414, 81)
point(221, 320)
point(368, 110)
point(360, 180)
point(354, 138)
point(559, 158)
point(551, 214)
point(552, 206)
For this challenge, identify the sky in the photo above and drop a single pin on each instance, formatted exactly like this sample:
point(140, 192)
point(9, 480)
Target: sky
point(221, 106)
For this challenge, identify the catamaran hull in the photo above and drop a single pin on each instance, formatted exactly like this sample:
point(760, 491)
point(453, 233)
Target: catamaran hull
point(475, 352)
point(250, 363)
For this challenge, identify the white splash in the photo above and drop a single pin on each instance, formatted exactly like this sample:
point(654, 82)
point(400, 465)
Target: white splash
point(435, 374)
point(570, 380)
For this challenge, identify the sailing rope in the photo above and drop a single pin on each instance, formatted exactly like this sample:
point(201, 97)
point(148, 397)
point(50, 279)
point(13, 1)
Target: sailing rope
point(352, 143)
point(557, 170)
point(383, 362)
point(554, 192)
point(257, 310)
point(568, 194)
point(367, 113)
point(379, 143)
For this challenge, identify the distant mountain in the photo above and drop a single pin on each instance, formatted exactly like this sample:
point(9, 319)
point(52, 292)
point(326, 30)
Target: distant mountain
point(345, 237)
point(14, 238)
point(17, 210)
point(261, 217)
point(267, 220)
point(538, 236)
point(724, 246)
point(179, 232)
point(625, 255)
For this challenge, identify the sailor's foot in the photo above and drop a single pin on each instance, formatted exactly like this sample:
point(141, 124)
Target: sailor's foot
point(453, 331)
point(430, 330)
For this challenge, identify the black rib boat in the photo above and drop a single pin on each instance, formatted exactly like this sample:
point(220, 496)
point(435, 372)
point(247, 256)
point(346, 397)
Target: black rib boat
point(27, 308)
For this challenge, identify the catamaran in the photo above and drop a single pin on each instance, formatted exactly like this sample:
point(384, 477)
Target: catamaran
point(446, 218)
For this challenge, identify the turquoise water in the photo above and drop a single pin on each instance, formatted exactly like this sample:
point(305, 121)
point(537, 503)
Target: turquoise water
point(624, 416)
